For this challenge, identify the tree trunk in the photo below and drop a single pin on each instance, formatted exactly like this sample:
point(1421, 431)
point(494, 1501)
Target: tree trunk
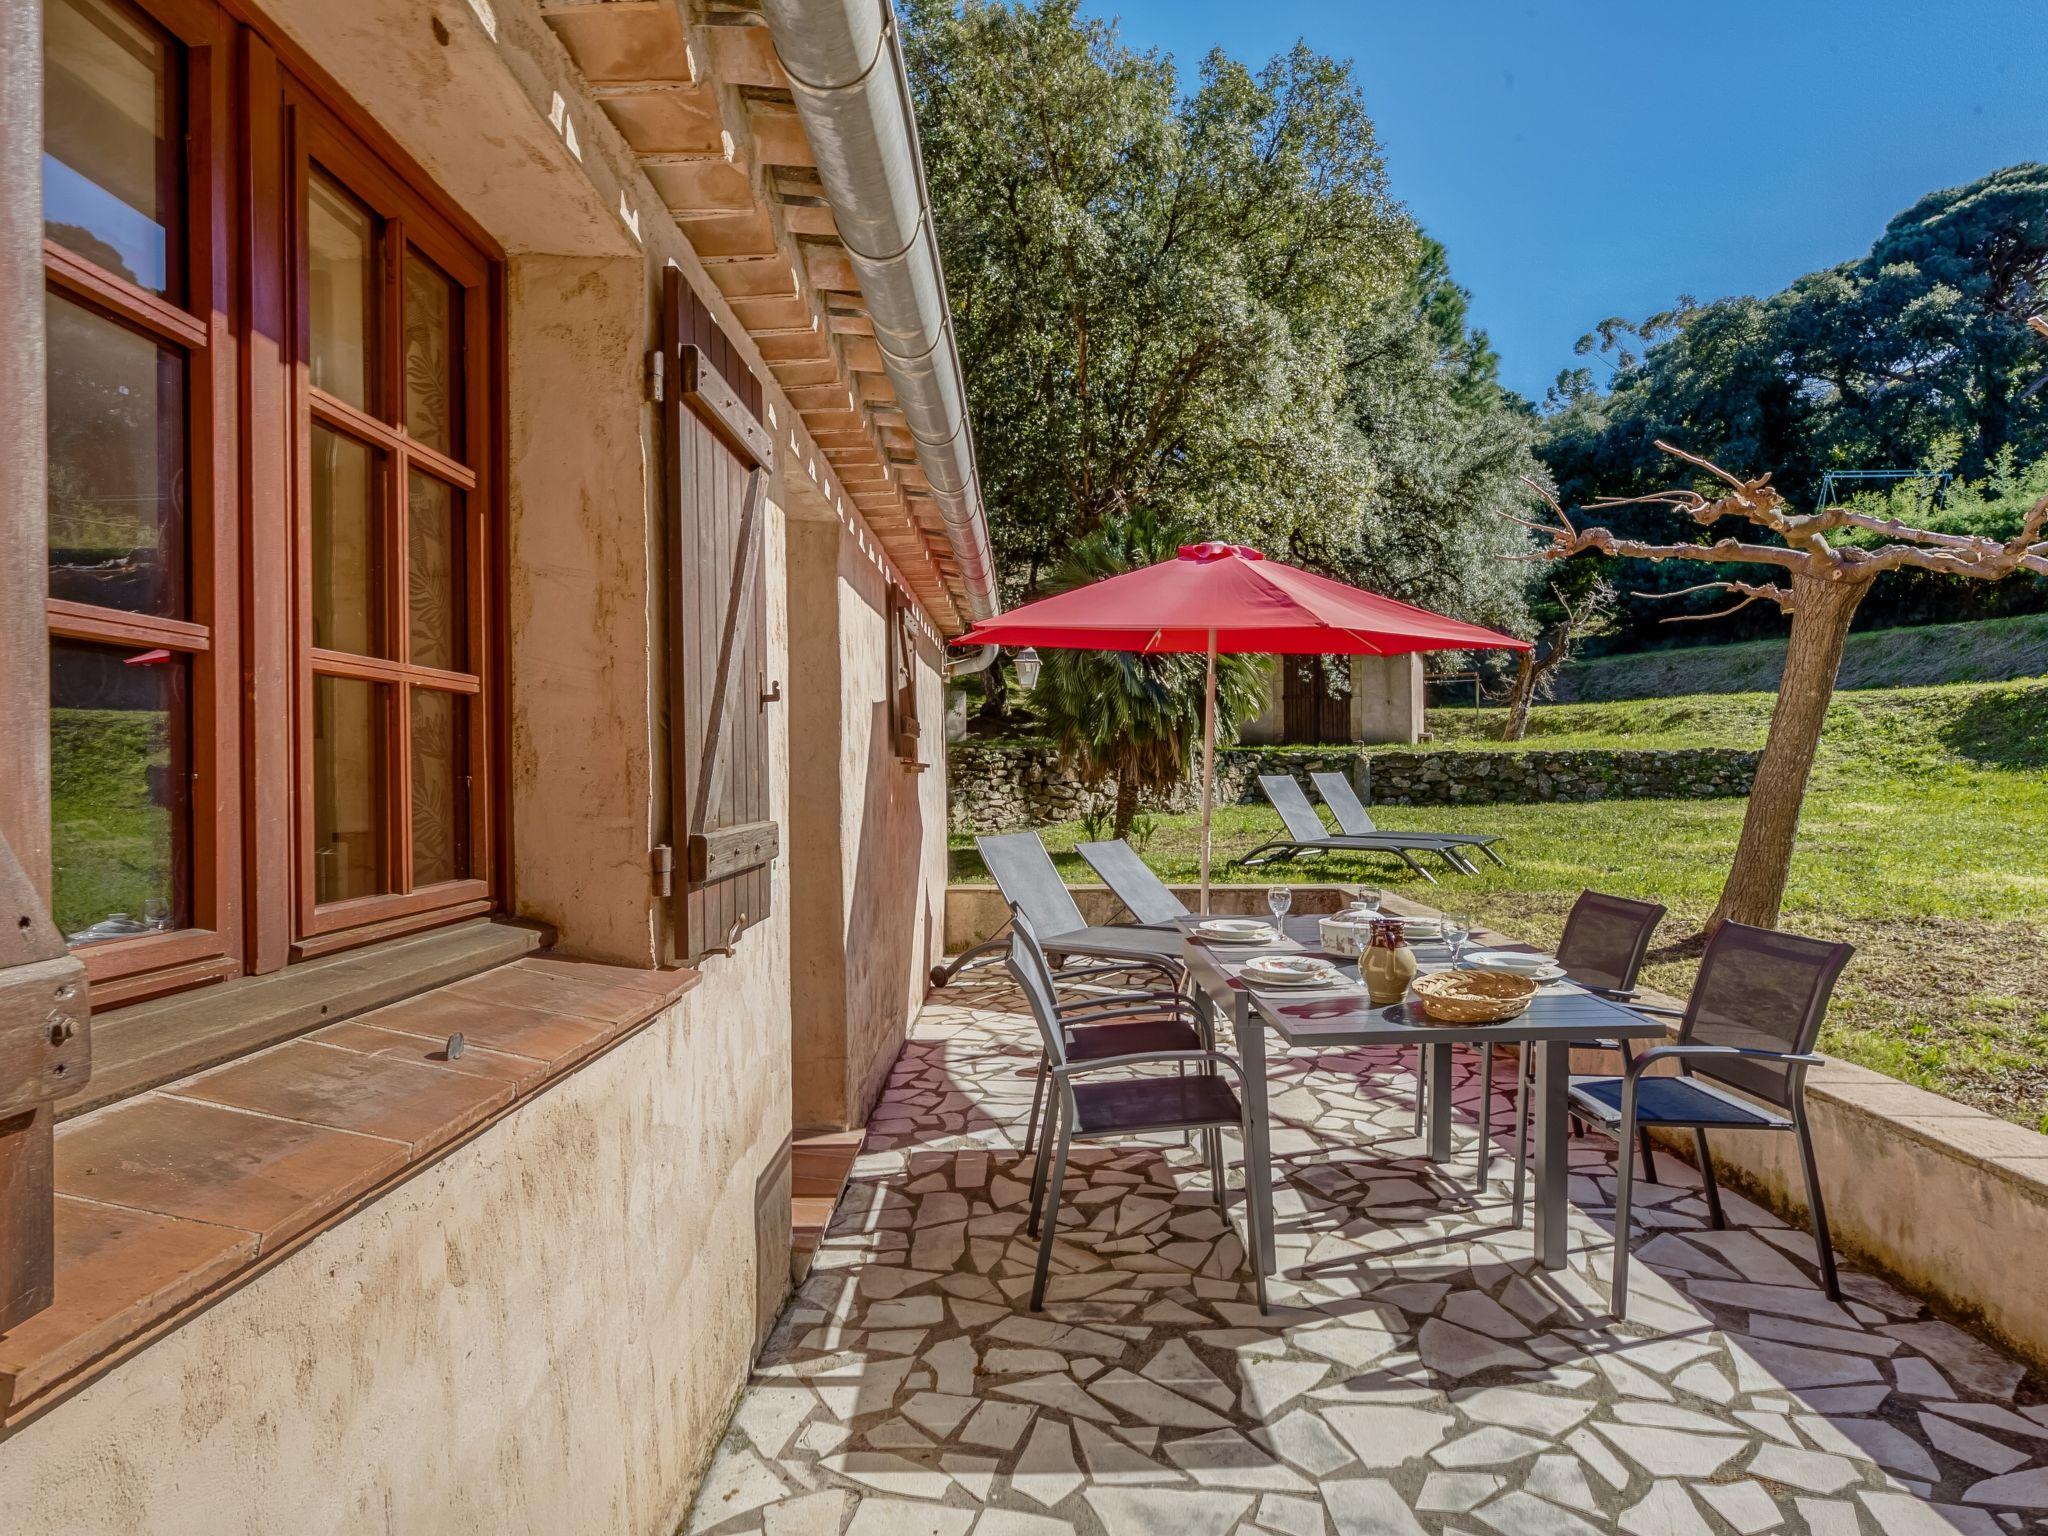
point(994, 709)
point(1820, 625)
point(1126, 810)
point(1520, 700)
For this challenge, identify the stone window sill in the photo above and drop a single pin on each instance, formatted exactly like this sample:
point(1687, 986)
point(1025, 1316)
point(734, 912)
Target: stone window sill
point(169, 1198)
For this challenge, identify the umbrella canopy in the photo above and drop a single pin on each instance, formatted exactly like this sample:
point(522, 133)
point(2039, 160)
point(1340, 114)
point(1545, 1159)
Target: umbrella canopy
point(1234, 600)
point(1227, 599)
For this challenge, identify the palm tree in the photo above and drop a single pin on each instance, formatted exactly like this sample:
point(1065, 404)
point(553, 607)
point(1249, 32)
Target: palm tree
point(1124, 715)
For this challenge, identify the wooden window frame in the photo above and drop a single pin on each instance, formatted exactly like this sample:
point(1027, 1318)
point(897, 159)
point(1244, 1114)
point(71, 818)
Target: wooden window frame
point(314, 136)
point(209, 947)
point(253, 107)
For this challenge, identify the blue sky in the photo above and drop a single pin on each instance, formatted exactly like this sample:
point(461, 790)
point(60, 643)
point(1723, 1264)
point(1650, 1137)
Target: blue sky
point(1582, 158)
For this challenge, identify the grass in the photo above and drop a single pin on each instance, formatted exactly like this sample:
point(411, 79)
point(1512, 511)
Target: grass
point(111, 840)
point(1984, 651)
point(1920, 844)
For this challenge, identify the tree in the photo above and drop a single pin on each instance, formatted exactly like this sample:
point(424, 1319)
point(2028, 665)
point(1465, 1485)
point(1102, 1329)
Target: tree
point(1566, 626)
point(1878, 362)
point(1830, 557)
point(1150, 291)
point(1124, 715)
point(1441, 449)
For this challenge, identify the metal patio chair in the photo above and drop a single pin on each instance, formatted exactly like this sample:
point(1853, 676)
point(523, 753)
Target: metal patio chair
point(1023, 871)
point(1605, 939)
point(1749, 1026)
point(1086, 1110)
point(1143, 893)
point(1307, 834)
point(1354, 820)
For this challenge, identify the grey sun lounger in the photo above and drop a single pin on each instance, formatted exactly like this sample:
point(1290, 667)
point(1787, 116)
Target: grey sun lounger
point(1354, 820)
point(1307, 834)
point(1143, 893)
point(1023, 871)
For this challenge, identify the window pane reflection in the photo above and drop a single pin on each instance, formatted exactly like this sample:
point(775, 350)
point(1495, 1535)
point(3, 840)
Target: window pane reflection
point(117, 464)
point(431, 305)
point(348, 565)
point(341, 270)
point(120, 790)
point(111, 178)
point(439, 772)
point(350, 726)
point(433, 561)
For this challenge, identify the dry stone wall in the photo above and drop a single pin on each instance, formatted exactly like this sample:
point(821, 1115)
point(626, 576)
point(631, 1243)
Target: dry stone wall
point(1001, 786)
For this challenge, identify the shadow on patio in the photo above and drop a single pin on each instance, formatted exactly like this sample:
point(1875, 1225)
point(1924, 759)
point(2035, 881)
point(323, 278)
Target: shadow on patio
point(1418, 1372)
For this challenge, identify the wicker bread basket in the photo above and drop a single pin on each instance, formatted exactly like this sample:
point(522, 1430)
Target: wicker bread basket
point(1474, 997)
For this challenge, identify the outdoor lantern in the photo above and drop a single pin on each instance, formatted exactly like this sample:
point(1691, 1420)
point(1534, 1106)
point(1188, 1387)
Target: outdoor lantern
point(1027, 668)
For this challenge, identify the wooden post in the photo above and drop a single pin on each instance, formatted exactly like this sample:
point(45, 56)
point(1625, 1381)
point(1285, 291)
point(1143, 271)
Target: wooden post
point(42, 987)
point(1208, 761)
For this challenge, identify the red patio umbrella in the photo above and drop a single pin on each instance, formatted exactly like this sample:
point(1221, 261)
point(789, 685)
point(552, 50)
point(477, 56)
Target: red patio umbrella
point(1225, 598)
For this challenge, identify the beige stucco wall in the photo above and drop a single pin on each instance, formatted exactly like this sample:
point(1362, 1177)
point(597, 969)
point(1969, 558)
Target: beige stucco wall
point(542, 1332)
point(545, 1330)
point(868, 862)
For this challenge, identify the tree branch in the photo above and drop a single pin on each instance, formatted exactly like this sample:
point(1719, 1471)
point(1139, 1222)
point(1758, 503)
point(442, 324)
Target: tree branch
point(1769, 592)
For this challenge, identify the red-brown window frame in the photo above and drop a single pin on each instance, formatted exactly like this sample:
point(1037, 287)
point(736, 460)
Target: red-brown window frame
point(314, 136)
point(250, 100)
point(123, 970)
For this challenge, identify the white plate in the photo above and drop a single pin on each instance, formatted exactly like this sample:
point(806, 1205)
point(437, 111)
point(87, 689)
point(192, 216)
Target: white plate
point(1291, 971)
point(1237, 930)
point(1535, 967)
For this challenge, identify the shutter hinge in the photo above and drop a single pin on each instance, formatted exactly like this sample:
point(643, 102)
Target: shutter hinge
point(664, 861)
point(657, 371)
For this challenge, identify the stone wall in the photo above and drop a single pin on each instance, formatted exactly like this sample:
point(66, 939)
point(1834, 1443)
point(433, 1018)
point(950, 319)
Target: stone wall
point(1000, 786)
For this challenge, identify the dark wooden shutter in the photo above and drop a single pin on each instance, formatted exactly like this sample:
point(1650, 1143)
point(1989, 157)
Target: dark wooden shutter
point(45, 1053)
point(718, 461)
point(906, 732)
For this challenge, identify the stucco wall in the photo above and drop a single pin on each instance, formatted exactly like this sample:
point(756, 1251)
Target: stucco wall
point(868, 861)
point(543, 1332)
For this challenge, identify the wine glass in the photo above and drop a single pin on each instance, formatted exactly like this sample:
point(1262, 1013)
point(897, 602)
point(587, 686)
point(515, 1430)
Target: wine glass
point(1457, 931)
point(1279, 899)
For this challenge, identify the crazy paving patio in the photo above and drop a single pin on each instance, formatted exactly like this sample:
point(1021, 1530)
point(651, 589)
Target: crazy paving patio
point(1418, 1371)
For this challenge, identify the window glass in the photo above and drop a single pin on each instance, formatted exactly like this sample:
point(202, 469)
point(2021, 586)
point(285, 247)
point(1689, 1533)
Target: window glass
point(120, 790)
point(117, 464)
point(439, 773)
point(341, 274)
point(347, 554)
point(432, 406)
point(433, 559)
point(111, 182)
point(350, 726)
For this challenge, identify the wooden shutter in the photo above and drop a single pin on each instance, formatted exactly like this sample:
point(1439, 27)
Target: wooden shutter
point(906, 732)
point(719, 458)
point(45, 1054)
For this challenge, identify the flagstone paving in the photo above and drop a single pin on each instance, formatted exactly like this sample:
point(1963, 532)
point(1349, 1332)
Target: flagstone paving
point(1419, 1373)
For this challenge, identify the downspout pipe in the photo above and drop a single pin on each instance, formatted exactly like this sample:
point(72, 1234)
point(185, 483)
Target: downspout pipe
point(845, 66)
point(977, 660)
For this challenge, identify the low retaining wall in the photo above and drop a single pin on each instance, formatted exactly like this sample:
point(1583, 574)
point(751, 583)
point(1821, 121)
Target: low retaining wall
point(999, 786)
point(1950, 1202)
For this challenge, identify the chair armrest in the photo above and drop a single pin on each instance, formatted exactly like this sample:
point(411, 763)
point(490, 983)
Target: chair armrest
point(1654, 1010)
point(1695, 1052)
point(1124, 1001)
point(1147, 1058)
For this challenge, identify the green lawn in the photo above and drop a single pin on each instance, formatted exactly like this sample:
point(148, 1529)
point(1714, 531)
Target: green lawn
point(1922, 844)
point(1983, 651)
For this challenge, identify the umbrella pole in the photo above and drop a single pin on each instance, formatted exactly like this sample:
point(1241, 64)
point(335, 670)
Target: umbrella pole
point(1208, 762)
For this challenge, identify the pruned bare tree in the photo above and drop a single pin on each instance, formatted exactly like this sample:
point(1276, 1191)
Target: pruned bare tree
point(1822, 584)
point(1536, 670)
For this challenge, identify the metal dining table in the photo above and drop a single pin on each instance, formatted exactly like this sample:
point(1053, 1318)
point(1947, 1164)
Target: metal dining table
point(1338, 1018)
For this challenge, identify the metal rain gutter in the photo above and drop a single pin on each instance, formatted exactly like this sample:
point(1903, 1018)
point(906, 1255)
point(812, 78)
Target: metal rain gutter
point(846, 72)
